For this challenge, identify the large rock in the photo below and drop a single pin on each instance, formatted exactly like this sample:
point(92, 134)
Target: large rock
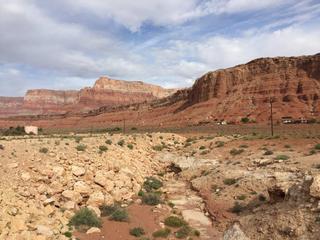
point(44, 230)
point(96, 199)
point(78, 171)
point(315, 187)
point(81, 187)
point(234, 233)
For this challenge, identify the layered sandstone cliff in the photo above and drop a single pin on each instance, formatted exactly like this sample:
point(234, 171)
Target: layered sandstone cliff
point(293, 84)
point(105, 92)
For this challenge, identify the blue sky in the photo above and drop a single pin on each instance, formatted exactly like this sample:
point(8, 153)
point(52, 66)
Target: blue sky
point(68, 44)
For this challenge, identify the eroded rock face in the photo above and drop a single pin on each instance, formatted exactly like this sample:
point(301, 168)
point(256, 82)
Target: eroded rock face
point(245, 90)
point(105, 92)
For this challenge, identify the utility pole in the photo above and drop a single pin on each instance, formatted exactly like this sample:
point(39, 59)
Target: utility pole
point(271, 116)
point(124, 126)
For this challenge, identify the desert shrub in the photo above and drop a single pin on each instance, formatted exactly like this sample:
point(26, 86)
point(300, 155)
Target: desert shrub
point(189, 140)
point(235, 151)
point(204, 152)
point(282, 157)
point(43, 150)
point(171, 204)
point(152, 183)
point(287, 146)
point(107, 210)
point(17, 131)
point(109, 142)
point(137, 231)
point(312, 152)
point(242, 197)
point(196, 233)
point(317, 146)
point(262, 198)
point(85, 217)
point(162, 233)
point(202, 147)
point(78, 139)
point(183, 232)
point(120, 215)
point(237, 208)
point(68, 234)
point(103, 148)
point(134, 129)
point(174, 221)
point(245, 120)
point(187, 144)
point(121, 143)
point(219, 143)
point(229, 181)
point(158, 147)
point(243, 146)
point(130, 146)
point(151, 199)
point(268, 152)
point(81, 147)
point(1, 147)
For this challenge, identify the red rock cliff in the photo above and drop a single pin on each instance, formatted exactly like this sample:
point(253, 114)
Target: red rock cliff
point(244, 90)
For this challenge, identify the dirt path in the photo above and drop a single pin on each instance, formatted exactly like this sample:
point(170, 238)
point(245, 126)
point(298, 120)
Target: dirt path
point(192, 207)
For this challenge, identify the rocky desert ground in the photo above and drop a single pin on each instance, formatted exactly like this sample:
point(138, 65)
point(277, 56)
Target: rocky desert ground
point(159, 185)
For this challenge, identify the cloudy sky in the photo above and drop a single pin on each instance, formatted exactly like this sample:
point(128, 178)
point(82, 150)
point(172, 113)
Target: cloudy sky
point(68, 44)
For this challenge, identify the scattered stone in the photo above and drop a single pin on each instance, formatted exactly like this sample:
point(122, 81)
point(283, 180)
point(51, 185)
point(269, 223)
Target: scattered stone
point(93, 230)
point(234, 233)
point(78, 171)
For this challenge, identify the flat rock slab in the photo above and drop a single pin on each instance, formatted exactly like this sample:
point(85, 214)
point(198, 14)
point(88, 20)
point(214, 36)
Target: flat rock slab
point(196, 217)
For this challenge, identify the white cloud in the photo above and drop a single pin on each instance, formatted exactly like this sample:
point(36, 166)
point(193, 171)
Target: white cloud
point(60, 53)
point(133, 14)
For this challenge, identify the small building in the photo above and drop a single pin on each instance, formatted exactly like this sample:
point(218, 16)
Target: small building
point(287, 120)
point(31, 130)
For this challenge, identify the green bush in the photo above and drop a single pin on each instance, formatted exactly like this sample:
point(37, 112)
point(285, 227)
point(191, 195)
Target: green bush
point(183, 232)
point(229, 181)
point(242, 197)
point(219, 144)
point(43, 150)
point(245, 120)
point(268, 152)
point(121, 143)
point(237, 208)
point(137, 232)
point(85, 217)
point(152, 183)
point(81, 147)
point(162, 233)
point(17, 131)
point(120, 215)
point(151, 199)
point(68, 234)
point(107, 210)
point(282, 157)
point(158, 148)
point(174, 221)
point(134, 129)
point(78, 139)
point(130, 146)
point(234, 151)
point(317, 146)
point(243, 146)
point(202, 147)
point(109, 142)
point(103, 148)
